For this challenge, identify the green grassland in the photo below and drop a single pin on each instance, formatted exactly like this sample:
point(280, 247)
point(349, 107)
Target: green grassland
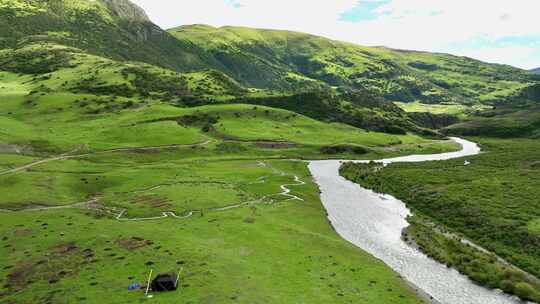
point(68, 101)
point(264, 252)
point(493, 202)
point(456, 109)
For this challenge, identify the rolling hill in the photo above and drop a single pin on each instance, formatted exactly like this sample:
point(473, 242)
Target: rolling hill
point(275, 59)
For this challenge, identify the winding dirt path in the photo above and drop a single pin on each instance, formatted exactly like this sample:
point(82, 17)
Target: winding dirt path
point(285, 191)
point(119, 214)
point(117, 150)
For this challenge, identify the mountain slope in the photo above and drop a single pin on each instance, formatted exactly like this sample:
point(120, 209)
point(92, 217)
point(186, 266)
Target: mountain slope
point(537, 70)
point(117, 29)
point(271, 59)
point(47, 84)
point(265, 59)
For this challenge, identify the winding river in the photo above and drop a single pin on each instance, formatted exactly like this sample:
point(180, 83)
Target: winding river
point(374, 223)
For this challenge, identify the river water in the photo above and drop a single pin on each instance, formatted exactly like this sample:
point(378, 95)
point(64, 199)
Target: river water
point(374, 223)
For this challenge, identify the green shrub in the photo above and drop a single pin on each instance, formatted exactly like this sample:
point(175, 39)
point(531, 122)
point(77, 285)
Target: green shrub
point(525, 291)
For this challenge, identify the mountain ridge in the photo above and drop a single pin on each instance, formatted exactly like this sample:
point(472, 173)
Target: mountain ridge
point(225, 27)
point(266, 58)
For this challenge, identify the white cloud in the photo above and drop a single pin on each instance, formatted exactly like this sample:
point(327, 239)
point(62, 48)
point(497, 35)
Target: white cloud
point(430, 25)
point(516, 55)
point(437, 23)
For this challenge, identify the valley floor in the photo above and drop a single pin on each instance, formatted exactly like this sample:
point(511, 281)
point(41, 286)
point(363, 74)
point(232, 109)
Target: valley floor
point(276, 249)
point(206, 189)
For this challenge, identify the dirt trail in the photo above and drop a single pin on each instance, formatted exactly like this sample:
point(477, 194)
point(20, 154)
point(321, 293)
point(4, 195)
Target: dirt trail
point(117, 150)
point(80, 205)
point(285, 191)
point(119, 214)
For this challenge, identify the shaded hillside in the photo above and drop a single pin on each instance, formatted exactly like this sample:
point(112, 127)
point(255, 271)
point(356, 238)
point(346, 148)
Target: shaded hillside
point(356, 109)
point(504, 122)
point(272, 59)
point(537, 70)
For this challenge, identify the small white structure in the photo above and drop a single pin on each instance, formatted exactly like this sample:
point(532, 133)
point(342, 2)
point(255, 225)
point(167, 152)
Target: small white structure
point(467, 163)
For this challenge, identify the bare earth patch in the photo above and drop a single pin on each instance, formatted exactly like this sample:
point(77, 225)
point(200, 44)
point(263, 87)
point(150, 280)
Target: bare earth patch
point(133, 243)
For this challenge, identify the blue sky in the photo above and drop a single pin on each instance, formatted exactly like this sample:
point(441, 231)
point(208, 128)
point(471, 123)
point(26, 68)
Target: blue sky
point(362, 11)
point(499, 31)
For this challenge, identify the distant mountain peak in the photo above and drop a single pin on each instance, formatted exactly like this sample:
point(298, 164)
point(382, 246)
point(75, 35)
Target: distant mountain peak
point(125, 9)
point(537, 70)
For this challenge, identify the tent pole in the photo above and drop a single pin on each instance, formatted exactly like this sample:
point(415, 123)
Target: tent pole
point(178, 277)
point(148, 284)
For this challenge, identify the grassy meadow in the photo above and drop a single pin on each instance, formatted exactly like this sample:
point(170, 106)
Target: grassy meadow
point(459, 110)
point(259, 253)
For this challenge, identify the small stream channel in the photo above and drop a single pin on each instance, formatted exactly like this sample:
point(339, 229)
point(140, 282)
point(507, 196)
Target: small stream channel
point(374, 223)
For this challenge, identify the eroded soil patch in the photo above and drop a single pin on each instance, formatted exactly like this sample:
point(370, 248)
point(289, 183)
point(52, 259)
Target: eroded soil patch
point(62, 260)
point(133, 243)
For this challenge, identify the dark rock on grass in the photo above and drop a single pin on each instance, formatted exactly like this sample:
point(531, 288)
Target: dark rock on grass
point(249, 220)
